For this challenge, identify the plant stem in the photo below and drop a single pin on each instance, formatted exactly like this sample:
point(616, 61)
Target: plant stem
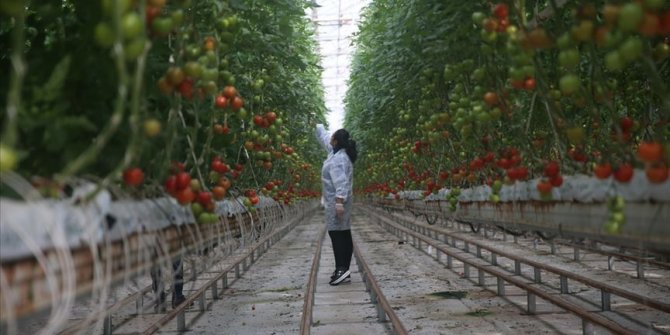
point(92, 152)
point(18, 73)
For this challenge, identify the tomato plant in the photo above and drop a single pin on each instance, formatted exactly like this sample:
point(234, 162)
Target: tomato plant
point(112, 84)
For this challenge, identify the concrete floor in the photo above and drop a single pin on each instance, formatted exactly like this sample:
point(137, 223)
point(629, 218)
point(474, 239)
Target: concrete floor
point(428, 297)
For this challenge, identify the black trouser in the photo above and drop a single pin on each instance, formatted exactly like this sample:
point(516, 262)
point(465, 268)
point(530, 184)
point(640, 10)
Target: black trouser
point(343, 248)
point(178, 279)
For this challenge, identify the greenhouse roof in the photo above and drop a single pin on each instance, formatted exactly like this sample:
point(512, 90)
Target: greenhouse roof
point(336, 22)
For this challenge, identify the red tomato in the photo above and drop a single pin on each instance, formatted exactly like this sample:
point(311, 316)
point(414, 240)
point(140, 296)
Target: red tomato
point(171, 184)
point(650, 151)
point(551, 169)
point(229, 92)
point(185, 196)
point(219, 129)
point(556, 181)
point(603, 171)
point(529, 84)
point(544, 187)
point(624, 173)
point(183, 180)
point(501, 10)
point(204, 198)
point(626, 124)
point(221, 101)
point(133, 176)
point(237, 103)
point(224, 182)
point(657, 173)
point(271, 116)
point(491, 98)
point(219, 192)
point(258, 120)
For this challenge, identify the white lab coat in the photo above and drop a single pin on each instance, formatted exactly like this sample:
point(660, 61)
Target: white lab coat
point(337, 178)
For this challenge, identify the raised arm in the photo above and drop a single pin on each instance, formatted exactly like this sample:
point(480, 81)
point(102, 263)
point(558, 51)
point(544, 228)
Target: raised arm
point(324, 138)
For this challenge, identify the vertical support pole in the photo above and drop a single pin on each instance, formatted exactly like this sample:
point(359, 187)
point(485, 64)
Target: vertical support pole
point(610, 263)
point(380, 313)
point(553, 248)
point(501, 287)
point(466, 247)
point(215, 291)
point(107, 327)
point(575, 254)
point(494, 259)
point(482, 281)
point(224, 281)
point(194, 272)
point(504, 236)
point(605, 301)
point(479, 252)
point(517, 267)
point(201, 302)
point(532, 308)
point(139, 302)
point(237, 270)
point(564, 285)
point(538, 275)
point(450, 262)
point(466, 270)
point(181, 321)
point(640, 269)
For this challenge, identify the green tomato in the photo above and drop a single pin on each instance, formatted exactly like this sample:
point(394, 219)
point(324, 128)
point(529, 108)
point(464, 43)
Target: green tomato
point(569, 58)
point(197, 209)
point(177, 17)
point(243, 113)
point(614, 61)
point(134, 48)
point(8, 158)
point(564, 41)
point(108, 6)
point(630, 16)
point(162, 25)
point(104, 35)
point(569, 84)
point(131, 25)
point(478, 18)
point(631, 49)
point(612, 228)
point(661, 51)
point(193, 69)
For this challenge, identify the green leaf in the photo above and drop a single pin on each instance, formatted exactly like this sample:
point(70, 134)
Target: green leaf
point(53, 87)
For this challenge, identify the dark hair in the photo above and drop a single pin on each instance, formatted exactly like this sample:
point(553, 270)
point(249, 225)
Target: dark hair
point(345, 142)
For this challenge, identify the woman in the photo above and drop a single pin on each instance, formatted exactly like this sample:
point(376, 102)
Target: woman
point(337, 179)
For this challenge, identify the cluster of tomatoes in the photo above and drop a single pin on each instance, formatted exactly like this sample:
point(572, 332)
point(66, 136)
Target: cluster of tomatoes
point(552, 178)
point(189, 191)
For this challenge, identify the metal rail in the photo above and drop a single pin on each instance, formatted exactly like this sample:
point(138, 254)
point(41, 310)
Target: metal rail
point(530, 287)
point(384, 309)
point(563, 274)
point(179, 312)
point(306, 321)
point(433, 208)
point(248, 223)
